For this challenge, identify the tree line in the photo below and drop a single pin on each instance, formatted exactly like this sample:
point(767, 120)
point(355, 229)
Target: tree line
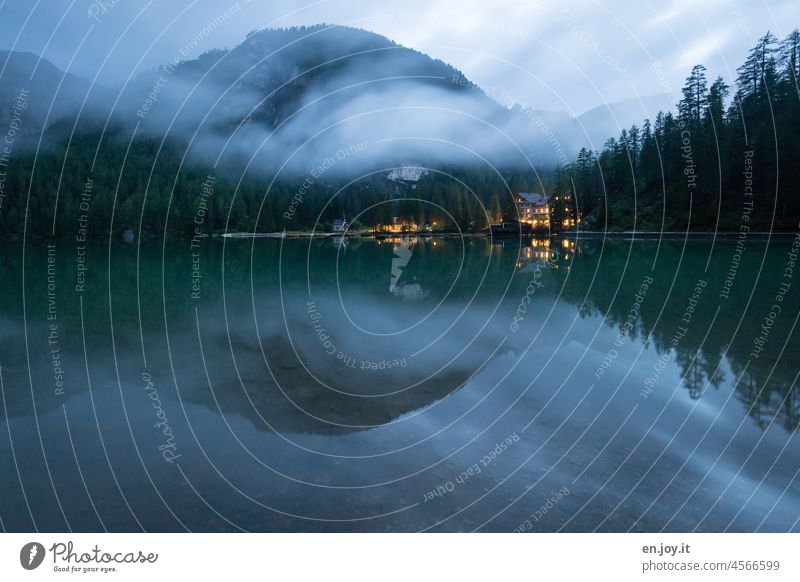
point(695, 168)
point(143, 186)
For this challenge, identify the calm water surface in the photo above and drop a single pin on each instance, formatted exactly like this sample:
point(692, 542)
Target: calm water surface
point(445, 385)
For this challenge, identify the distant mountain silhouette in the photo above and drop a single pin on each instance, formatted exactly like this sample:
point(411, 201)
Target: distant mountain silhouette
point(50, 95)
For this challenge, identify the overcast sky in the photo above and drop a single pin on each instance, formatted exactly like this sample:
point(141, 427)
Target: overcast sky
point(551, 54)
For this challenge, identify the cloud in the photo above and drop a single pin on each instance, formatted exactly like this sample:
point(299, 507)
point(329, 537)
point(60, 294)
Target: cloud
point(547, 68)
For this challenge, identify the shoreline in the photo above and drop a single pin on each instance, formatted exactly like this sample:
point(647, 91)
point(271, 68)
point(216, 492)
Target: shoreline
point(674, 235)
point(573, 235)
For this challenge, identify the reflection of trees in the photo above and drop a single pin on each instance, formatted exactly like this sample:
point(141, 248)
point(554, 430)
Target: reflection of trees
point(700, 368)
point(711, 347)
point(777, 399)
point(765, 386)
point(709, 356)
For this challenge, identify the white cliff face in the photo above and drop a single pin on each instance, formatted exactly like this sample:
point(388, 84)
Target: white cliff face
point(407, 173)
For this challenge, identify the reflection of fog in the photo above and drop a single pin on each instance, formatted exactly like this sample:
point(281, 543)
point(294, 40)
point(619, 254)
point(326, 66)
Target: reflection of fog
point(711, 357)
point(409, 292)
point(430, 378)
point(304, 392)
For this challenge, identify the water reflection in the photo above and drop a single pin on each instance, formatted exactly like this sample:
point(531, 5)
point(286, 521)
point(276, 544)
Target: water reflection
point(596, 279)
point(361, 362)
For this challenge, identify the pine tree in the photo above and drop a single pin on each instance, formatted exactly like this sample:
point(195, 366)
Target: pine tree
point(758, 70)
point(715, 108)
point(692, 107)
point(789, 58)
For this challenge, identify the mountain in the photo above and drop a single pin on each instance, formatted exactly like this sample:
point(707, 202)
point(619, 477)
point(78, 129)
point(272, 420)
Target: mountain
point(301, 95)
point(608, 120)
point(293, 98)
point(275, 73)
point(41, 94)
point(567, 134)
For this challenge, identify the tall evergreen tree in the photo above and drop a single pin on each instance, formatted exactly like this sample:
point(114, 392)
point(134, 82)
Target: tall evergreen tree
point(692, 107)
point(758, 70)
